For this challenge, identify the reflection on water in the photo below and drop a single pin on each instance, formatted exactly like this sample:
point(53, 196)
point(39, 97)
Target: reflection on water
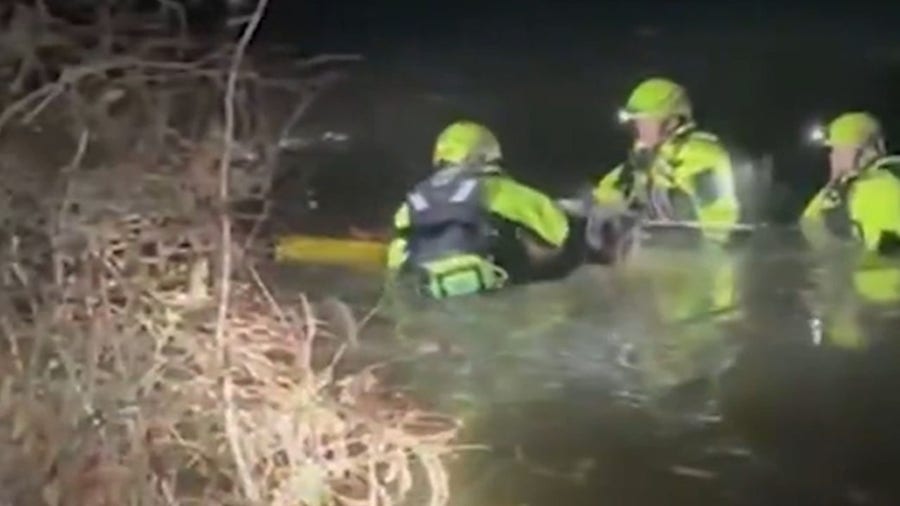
point(764, 375)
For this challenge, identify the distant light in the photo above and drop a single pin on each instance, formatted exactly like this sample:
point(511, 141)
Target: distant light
point(817, 135)
point(815, 328)
point(335, 136)
point(294, 143)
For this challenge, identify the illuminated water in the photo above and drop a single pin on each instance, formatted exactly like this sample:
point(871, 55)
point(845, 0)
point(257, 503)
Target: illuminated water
point(756, 376)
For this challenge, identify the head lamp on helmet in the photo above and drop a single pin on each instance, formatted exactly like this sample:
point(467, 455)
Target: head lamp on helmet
point(466, 143)
point(851, 129)
point(658, 98)
point(855, 141)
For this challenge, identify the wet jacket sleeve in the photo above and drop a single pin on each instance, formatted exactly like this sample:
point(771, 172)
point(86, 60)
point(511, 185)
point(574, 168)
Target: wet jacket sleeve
point(607, 192)
point(527, 207)
point(396, 254)
point(706, 174)
point(813, 210)
point(812, 223)
point(875, 207)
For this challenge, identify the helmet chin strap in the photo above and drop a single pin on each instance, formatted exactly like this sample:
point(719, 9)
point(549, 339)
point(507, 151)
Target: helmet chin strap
point(865, 155)
point(868, 154)
point(679, 125)
point(671, 127)
point(480, 164)
point(879, 147)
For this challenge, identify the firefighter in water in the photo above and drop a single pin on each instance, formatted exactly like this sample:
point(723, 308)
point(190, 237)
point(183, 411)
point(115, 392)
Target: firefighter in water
point(470, 227)
point(857, 209)
point(674, 171)
point(861, 201)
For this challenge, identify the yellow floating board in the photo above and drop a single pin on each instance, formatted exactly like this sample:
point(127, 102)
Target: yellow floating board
point(330, 251)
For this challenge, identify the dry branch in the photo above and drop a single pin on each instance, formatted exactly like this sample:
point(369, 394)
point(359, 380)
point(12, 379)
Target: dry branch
point(122, 380)
point(249, 486)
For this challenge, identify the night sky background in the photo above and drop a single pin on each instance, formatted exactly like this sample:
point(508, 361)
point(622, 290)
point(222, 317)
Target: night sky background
point(549, 76)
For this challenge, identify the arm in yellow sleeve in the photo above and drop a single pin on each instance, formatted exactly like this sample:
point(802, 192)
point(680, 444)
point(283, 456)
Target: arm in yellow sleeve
point(527, 207)
point(875, 207)
point(812, 224)
point(813, 209)
point(397, 254)
point(707, 175)
point(607, 193)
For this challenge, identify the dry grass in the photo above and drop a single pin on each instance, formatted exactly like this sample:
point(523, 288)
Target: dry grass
point(136, 365)
point(121, 404)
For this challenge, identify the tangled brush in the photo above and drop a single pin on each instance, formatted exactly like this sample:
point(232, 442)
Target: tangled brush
point(139, 362)
point(120, 402)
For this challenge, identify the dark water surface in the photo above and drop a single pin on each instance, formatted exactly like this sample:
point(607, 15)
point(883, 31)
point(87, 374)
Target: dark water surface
point(756, 377)
point(686, 377)
point(548, 78)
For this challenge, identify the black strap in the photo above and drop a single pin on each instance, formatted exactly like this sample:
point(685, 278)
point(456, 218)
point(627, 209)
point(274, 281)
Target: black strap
point(889, 244)
point(837, 216)
point(626, 179)
point(893, 167)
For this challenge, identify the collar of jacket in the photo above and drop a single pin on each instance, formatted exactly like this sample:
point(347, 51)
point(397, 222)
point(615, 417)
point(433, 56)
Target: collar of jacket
point(887, 162)
point(492, 168)
point(670, 150)
point(884, 162)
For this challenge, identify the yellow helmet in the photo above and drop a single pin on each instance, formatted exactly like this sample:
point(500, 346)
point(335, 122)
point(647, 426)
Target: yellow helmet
point(850, 129)
point(657, 97)
point(466, 142)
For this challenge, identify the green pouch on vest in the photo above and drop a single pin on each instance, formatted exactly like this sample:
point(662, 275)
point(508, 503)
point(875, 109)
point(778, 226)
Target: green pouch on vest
point(461, 275)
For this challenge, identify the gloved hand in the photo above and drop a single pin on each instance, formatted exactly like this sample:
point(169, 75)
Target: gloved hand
point(580, 204)
point(640, 159)
point(610, 235)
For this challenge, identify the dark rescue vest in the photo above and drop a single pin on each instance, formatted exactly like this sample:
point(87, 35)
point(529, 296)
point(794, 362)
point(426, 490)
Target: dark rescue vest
point(836, 214)
point(447, 216)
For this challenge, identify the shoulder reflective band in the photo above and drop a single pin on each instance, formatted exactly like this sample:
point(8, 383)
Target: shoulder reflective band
point(464, 191)
point(417, 201)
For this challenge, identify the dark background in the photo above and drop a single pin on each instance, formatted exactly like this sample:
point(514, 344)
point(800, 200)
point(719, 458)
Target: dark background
point(549, 76)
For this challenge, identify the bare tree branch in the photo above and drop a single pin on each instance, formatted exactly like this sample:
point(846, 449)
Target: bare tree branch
point(180, 14)
point(231, 426)
point(114, 241)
